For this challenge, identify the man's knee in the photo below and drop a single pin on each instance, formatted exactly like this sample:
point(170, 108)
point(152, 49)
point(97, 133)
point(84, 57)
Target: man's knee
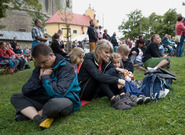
point(15, 97)
point(58, 107)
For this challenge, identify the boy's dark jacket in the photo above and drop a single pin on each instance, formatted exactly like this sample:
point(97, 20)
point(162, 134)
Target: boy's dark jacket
point(128, 65)
point(62, 83)
point(89, 69)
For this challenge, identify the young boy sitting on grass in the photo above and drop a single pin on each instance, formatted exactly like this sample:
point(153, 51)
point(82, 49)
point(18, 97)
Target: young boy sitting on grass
point(124, 51)
point(51, 91)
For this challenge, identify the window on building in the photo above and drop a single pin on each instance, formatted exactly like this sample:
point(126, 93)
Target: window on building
point(75, 32)
point(1, 35)
point(67, 3)
point(22, 30)
point(46, 5)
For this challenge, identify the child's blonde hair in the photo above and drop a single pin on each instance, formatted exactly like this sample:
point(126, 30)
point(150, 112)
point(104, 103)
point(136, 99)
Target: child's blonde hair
point(123, 49)
point(114, 56)
point(75, 55)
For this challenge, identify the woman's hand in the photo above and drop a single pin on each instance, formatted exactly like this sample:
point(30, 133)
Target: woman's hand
point(121, 70)
point(121, 82)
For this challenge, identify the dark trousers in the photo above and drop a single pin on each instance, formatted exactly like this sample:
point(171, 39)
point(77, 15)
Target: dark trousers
point(54, 107)
point(92, 87)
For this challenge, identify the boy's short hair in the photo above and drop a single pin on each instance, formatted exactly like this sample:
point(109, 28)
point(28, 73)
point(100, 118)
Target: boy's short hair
point(115, 56)
point(123, 48)
point(41, 49)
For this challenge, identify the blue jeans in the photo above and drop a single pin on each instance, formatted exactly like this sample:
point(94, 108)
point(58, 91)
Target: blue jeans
point(180, 47)
point(35, 42)
point(132, 89)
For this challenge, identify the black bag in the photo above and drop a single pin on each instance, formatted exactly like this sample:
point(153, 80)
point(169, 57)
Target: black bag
point(4, 62)
point(164, 74)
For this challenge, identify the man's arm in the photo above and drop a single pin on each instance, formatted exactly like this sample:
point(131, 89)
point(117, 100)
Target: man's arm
point(61, 85)
point(34, 83)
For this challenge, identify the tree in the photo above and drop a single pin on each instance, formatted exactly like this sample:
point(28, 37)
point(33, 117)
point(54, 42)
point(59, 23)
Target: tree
point(38, 14)
point(66, 17)
point(131, 28)
point(154, 24)
point(16, 4)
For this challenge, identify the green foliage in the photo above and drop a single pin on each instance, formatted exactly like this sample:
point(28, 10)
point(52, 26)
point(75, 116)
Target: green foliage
point(162, 117)
point(131, 28)
point(4, 7)
point(154, 24)
point(16, 4)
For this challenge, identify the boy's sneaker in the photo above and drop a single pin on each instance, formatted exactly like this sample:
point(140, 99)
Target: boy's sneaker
point(126, 99)
point(118, 104)
point(20, 117)
point(145, 99)
point(136, 99)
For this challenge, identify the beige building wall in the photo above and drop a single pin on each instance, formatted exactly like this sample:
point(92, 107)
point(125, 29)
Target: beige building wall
point(52, 28)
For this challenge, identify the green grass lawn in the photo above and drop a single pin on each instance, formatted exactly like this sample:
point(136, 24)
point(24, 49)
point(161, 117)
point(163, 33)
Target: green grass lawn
point(165, 116)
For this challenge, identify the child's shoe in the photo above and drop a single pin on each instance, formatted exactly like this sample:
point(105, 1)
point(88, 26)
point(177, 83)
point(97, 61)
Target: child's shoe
point(125, 98)
point(136, 99)
point(118, 104)
point(145, 99)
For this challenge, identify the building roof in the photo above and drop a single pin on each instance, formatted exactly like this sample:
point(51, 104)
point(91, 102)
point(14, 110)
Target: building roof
point(21, 36)
point(78, 19)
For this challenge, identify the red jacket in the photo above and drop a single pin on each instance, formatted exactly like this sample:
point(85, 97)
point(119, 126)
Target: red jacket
point(4, 53)
point(179, 28)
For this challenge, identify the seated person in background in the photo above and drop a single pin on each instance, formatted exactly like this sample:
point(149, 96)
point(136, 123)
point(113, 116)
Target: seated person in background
point(130, 89)
point(6, 54)
point(52, 90)
point(152, 57)
point(19, 60)
point(123, 51)
point(18, 50)
point(165, 40)
point(55, 46)
point(77, 56)
point(136, 54)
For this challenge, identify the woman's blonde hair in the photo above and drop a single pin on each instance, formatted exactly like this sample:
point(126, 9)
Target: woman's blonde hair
point(102, 44)
point(116, 56)
point(75, 55)
point(123, 48)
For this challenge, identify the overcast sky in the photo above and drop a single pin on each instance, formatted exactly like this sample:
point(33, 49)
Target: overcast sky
point(114, 11)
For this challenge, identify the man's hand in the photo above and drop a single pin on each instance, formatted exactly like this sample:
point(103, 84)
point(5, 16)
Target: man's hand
point(47, 71)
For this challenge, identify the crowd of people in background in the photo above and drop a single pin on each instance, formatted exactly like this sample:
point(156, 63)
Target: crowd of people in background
point(65, 72)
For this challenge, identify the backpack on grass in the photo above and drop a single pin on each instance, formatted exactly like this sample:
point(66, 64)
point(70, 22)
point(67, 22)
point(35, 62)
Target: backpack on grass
point(154, 87)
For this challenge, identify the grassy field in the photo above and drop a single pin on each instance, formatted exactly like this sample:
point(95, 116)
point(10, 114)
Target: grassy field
point(162, 117)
